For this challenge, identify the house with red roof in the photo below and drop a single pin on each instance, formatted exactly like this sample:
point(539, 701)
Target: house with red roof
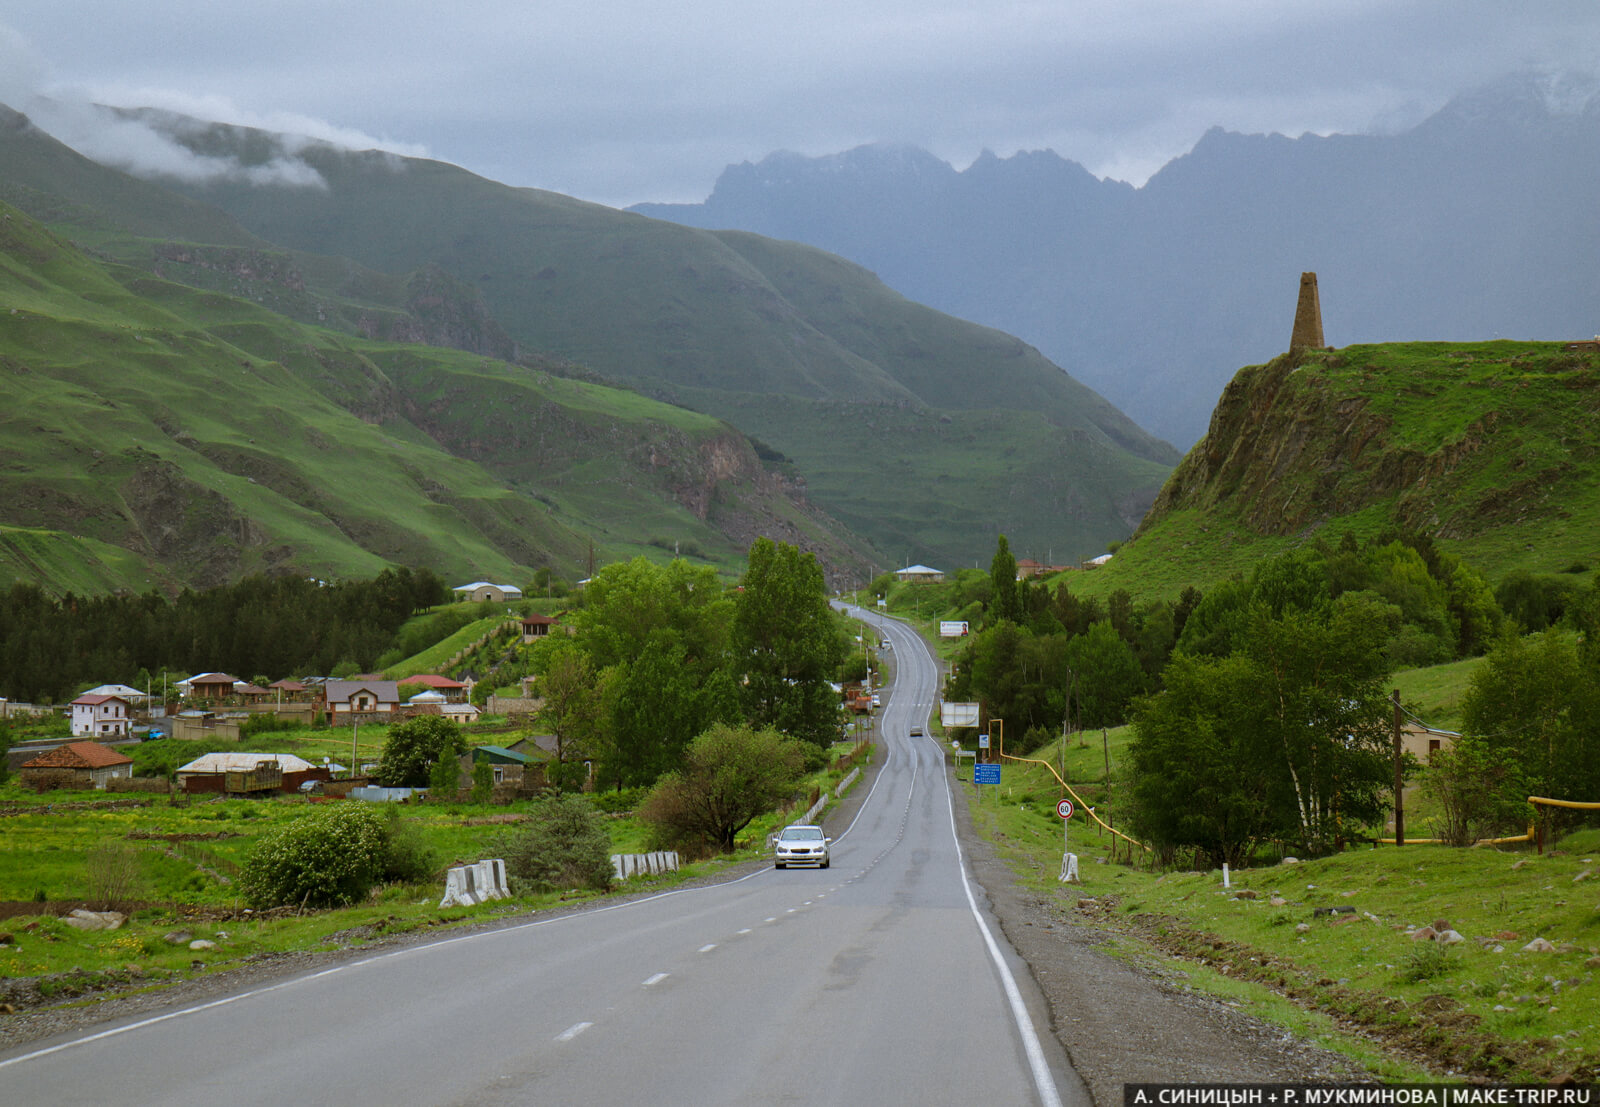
point(100, 716)
point(453, 691)
point(89, 763)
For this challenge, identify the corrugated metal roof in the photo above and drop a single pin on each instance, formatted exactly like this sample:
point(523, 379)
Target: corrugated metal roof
point(244, 762)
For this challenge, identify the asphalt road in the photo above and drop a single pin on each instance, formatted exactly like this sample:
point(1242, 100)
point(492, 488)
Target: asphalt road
point(881, 980)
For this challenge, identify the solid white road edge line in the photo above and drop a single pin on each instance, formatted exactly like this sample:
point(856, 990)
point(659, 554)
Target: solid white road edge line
point(1042, 1079)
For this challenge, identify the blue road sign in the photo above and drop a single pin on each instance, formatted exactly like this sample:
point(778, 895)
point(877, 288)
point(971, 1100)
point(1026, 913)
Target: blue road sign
point(986, 774)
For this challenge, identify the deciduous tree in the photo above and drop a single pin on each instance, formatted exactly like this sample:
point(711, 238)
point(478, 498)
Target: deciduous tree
point(787, 643)
point(414, 745)
point(729, 776)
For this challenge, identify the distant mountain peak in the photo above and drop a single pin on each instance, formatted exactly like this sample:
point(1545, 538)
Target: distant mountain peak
point(1532, 96)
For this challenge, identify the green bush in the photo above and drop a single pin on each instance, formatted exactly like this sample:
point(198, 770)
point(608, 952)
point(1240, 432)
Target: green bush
point(564, 845)
point(618, 800)
point(330, 857)
point(1426, 961)
point(407, 856)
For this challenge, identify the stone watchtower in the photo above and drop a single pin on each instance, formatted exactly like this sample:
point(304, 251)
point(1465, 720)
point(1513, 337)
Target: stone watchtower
point(1307, 316)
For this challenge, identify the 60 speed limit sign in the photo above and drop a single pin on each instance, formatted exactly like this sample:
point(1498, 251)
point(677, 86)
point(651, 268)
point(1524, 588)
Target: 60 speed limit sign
point(1064, 809)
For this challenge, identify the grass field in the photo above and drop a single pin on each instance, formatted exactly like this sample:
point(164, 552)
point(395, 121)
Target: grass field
point(178, 863)
point(1326, 943)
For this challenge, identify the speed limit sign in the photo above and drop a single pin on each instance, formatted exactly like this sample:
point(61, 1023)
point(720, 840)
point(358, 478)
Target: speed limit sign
point(1064, 809)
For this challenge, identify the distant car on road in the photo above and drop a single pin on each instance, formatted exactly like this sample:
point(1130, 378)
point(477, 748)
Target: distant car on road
point(875, 702)
point(801, 845)
point(916, 732)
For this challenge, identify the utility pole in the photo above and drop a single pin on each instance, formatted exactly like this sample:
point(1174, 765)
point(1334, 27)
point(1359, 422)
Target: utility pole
point(1399, 778)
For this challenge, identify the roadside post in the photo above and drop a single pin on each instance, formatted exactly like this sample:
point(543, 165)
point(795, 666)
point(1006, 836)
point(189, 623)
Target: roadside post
point(1069, 860)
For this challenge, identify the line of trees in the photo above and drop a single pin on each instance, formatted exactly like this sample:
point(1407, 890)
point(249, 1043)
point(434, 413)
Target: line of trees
point(1259, 708)
point(664, 653)
point(50, 648)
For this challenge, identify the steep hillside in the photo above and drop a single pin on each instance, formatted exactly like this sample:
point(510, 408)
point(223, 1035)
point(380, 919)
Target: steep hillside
point(1479, 223)
point(208, 437)
point(728, 323)
point(1489, 448)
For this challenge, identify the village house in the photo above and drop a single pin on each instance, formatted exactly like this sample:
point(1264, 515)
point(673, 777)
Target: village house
point(291, 691)
point(920, 574)
point(101, 716)
point(507, 766)
point(88, 764)
point(453, 691)
point(209, 686)
point(349, 700)
point(480, 591)
point(435, 703)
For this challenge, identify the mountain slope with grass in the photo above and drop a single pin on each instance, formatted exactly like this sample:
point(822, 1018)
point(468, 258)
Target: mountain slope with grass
point(790, 344)
point(1488, 448)
point(163, 436)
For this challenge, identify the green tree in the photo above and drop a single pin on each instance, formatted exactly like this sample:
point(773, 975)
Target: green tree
point(1003, 583)
point(482, 781)
point(574, 711)
point(1322, 718)
point(730, 775)
point(1478, 790)
point(787, 643)
point(444, 778)
point(1534, 699)
point(659, 703)
point(1196, 782)
point(413, 746)
point(1107, 676)
point(625, 603)
point(1291, 726)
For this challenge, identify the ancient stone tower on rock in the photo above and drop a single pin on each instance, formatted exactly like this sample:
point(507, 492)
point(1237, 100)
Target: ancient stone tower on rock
point(1307, 316)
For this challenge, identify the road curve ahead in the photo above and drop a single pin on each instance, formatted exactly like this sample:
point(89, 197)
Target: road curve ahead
point(880, 980)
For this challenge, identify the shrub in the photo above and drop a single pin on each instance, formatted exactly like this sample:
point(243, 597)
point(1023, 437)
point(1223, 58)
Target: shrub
point(618, 800)
point(564, 845)
point(115, 873)
point(1426, 961)
point(330, 857)
point(407, 856)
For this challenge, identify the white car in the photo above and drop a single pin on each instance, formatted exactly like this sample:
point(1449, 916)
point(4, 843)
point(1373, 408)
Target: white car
point(801, 845)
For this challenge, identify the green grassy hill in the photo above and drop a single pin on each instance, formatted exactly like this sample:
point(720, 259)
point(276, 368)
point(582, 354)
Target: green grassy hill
point(728, 323)
point(208, 437)
point(1489, 448)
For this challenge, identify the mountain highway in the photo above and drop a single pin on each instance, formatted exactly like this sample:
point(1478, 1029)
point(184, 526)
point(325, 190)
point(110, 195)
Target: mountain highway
point(882, 979)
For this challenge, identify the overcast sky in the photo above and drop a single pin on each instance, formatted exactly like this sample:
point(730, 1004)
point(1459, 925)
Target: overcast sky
point(620, 101)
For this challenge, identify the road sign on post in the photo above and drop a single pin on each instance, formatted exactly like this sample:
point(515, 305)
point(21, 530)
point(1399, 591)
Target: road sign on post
point(986, 774)
point(1069, 860)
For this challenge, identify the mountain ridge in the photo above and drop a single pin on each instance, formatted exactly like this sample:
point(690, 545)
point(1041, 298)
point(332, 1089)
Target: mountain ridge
point(775, 332)
point(1474, 224)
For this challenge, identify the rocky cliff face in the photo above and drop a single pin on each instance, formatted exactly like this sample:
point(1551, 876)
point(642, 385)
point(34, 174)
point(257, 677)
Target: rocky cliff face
point(1452, 442)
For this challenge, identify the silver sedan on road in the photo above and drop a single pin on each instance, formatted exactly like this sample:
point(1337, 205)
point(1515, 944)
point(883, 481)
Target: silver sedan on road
point(801, 845)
